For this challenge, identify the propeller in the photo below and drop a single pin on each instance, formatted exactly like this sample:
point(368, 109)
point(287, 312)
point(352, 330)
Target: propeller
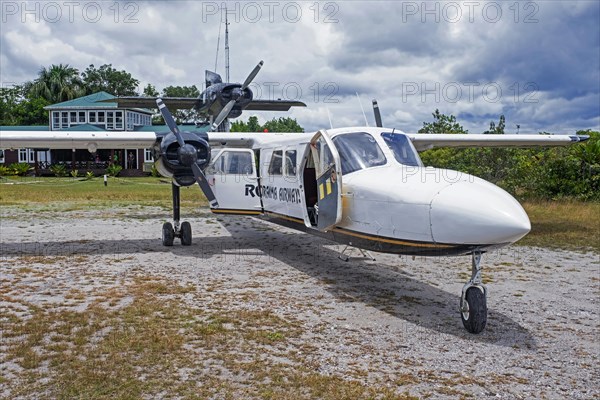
point(378, 121)
point(188, 155)
point(229, 106)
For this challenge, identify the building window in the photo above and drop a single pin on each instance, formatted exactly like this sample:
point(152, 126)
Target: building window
point(130, 118)
point(92, 117)
point(73, 117)
point(110, 120)
point(1, 156)
point(100, 117)
point(119, 120)
point(148, 157)
point(64, 119)
point(26, 156)
point(82, 117)
point(55, 120)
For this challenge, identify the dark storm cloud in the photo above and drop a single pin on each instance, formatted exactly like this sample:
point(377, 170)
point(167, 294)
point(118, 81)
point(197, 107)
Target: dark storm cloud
point(380, 49)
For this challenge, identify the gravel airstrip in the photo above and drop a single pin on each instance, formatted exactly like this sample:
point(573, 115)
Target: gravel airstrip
point(390, 325)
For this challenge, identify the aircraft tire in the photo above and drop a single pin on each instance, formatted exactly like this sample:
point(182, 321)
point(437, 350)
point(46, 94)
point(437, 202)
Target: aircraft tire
point(475, 318)
point(168, 234)
point(186, 234)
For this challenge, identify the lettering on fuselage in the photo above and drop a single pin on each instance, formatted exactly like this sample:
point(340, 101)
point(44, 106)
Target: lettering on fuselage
point(287, 195)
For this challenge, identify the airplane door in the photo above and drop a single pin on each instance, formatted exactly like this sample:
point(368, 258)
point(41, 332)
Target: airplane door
point(233, 177)
point(329, 180)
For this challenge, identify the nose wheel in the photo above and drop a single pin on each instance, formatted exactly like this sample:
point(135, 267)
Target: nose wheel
point(182, 231)
point(473, 303)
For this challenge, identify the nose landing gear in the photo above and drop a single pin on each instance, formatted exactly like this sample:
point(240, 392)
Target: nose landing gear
point(473, 303)
point(182, 231)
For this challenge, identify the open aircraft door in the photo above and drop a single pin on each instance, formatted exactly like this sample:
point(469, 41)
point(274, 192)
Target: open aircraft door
point(233, 178)
point(329, 180)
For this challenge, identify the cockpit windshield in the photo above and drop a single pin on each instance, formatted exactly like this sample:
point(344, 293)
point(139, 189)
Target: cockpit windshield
point(358, 151)
point(403, 151)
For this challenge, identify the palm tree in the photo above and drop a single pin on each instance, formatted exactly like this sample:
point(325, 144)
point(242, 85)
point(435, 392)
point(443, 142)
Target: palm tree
point(57, 83)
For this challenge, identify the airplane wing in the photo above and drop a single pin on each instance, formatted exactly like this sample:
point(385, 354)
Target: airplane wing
point(76, 140)
point(426, 141)
point(273, 105)
point(173, 103)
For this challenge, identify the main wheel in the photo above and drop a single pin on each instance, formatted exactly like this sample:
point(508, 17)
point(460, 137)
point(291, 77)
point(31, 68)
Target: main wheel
point(168, 234)
point(474, 310)
point(186, 233)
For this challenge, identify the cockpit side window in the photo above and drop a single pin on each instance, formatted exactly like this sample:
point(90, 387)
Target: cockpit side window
point(358, 151)
point(404, 153)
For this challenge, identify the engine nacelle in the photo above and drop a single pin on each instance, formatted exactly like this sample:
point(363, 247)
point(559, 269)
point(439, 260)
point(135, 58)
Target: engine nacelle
point(167, 159)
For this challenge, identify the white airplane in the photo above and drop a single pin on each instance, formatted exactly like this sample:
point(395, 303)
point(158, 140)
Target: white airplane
point(364, 187)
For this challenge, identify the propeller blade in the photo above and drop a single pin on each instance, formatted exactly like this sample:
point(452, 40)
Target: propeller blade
point(222, 115)
point(204, 186)
point(378, 121)
point(166, 114)
point(252, 75)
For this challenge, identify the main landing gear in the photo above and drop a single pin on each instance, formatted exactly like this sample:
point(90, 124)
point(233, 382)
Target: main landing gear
point(473, 304)
point(182, 231)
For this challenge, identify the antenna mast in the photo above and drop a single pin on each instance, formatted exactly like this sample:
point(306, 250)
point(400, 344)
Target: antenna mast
point(226, 47)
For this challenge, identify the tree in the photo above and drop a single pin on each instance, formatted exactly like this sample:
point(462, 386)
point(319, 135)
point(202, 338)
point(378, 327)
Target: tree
point(442, 124)
point(57, 83)
point(18, 108)
point(283, 124)
point(275, 125)
point(150, 91)
point(498, 130)
point(182, 91)
point(107, 79)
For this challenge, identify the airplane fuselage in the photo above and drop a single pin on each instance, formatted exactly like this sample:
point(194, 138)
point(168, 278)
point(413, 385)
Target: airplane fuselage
point(388, 201)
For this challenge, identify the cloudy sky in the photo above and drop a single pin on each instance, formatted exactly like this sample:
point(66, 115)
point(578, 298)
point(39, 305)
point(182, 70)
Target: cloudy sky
point(536, 62)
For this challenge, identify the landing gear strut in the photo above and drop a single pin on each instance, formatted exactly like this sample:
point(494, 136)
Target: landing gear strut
point(473, 304)
point(176, 230)
point(365, 254)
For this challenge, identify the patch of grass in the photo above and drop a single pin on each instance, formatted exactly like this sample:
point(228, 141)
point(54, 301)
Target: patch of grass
point(84, 193)
point(570, 225)
point(158, 345)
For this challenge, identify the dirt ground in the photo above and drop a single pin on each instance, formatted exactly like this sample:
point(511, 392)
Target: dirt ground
point(390, 324)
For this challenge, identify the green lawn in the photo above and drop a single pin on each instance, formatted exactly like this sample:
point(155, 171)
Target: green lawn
point(91, 193)
point(569, 225)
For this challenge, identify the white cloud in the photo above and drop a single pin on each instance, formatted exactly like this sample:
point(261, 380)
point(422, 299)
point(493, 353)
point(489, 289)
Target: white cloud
point(375, 48)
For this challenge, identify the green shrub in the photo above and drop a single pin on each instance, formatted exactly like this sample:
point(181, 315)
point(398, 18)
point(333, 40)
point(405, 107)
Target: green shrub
point(20, 169)
point(5, 171)
point(113, 169)
point(59, 170)
point(154, 172)
point(74, 173)
point(89, 176)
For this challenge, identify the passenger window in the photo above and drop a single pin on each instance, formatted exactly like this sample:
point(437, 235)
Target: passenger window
point(290, 163)
point(234, 163)
point(276, 165)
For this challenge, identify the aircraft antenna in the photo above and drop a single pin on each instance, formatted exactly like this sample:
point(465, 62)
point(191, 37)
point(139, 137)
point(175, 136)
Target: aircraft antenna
point(226, 47)
point(218, 45)
point(329, 116)
point(363, 110)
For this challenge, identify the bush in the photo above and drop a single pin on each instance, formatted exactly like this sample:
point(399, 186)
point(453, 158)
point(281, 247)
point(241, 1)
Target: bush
point(89, 176)
point(113, 169)
point(20, 169)
point(5, 171)
point(74, 173)
point(154, 172)
point(59, 170)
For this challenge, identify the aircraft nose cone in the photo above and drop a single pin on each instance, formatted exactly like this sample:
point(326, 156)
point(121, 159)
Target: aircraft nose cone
point(477, 213)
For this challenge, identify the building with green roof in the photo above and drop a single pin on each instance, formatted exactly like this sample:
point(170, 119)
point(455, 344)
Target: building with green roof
point(90, 113)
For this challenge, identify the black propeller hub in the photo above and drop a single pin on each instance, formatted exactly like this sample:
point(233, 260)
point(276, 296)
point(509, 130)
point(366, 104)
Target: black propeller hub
point(237, 94)
point(187, 154)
